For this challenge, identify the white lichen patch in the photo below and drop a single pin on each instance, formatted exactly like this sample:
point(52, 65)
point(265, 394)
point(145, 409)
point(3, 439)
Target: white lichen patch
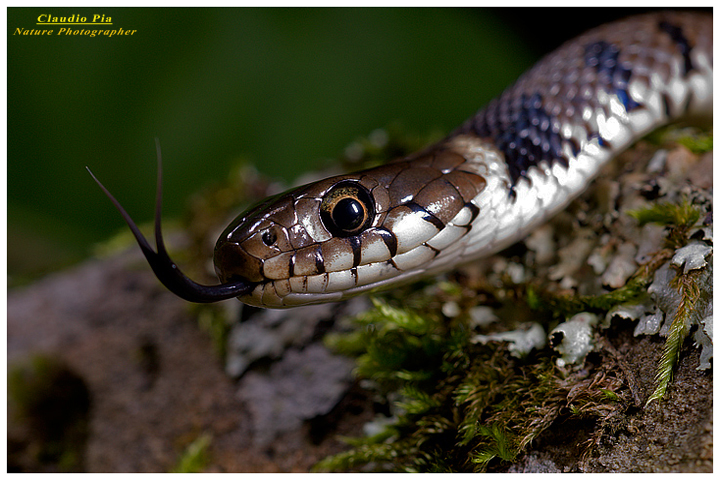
point(704, 234)
point(649, 324)
point(520, 342)
point(691, 256)
point(451, 309)
point(628, 311)
point(482, 316)
point(574, 339)
point(621, 267)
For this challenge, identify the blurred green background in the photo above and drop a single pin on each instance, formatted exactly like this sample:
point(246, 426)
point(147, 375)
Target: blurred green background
point(285, 88)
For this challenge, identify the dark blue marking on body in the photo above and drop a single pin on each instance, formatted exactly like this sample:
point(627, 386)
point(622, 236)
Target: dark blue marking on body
point(676, 34)
point(525, 133)
point(603, 56)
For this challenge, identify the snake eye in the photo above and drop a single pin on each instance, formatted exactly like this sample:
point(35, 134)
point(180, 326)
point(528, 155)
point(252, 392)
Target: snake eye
point(347, 209)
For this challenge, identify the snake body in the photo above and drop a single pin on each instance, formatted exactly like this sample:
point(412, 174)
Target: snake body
point(518, 161)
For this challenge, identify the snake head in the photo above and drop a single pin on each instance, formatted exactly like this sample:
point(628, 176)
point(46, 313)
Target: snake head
point(291, 235)
point(348, 234)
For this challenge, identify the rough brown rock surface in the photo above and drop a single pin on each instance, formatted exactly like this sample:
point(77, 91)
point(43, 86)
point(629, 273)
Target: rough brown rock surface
point(155, 383)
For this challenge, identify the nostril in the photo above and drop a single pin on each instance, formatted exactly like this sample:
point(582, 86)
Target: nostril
point(269, 237)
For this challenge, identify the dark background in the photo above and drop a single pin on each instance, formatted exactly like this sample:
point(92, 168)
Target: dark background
point(286, 89)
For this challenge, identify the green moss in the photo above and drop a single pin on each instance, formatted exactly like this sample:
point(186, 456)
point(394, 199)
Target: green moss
point(498, 446)
point(611, 395)
point(689, 290)
point(696, 139)
point(395, 344)
point(679, 215)
point(195, 457)
point(460, 406)
point(569, 305)
point(679, 218)
point(698, 143)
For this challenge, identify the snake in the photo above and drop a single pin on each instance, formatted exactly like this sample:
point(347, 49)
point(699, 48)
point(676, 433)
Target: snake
point(488, 184)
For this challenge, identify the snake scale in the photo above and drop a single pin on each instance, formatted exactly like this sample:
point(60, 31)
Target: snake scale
point(518, 161)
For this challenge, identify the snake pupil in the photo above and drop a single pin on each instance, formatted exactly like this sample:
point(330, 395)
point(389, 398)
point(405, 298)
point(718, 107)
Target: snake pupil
point(348, 214)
